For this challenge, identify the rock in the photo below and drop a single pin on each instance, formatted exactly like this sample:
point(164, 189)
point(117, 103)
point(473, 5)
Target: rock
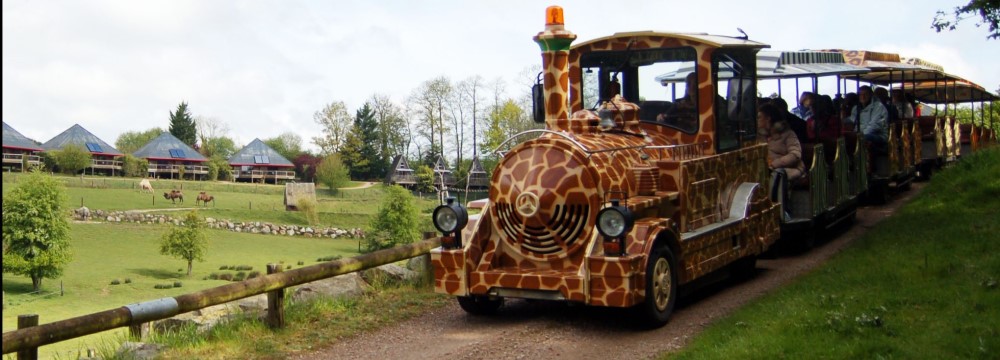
point(210, 220)
point(110, 218)
point(253, 230)
point(138, 350)
point(83, 213)
point(203, 319)
point(347, 285)
point(253, 304)
point(390, 272)
point(419, 263)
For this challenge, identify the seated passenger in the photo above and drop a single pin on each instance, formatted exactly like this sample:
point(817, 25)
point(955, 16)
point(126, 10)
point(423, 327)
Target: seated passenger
point(850, 100)
point(903, 106)
point(805, 104)
point(684, 113)
point(784, 153)
point(824, 125)
point(872, 117)
point(797, 124)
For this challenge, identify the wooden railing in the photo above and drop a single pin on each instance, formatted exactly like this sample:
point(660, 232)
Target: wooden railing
point(257, 174)
point(172, 168)
point(28, 339)
point(106, 164)
point(18, 158)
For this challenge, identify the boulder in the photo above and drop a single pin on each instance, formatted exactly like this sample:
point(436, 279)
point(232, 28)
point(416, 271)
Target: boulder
point(419, 263)
point(203, 319)
point(347, 285)
point(138, 351)
point(391, 272)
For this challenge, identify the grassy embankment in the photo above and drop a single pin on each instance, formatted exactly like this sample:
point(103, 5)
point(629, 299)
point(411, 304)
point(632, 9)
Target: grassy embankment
point(922, 285)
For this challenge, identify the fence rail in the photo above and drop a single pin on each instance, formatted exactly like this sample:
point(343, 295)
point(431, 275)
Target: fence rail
point(134, 315)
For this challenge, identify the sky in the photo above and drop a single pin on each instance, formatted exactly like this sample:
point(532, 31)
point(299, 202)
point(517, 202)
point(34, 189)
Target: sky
point(264, 67)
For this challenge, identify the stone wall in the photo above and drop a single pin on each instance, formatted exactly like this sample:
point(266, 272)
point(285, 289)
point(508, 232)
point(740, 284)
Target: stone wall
point(253, 227)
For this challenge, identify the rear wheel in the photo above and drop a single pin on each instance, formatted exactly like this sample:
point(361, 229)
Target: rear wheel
point(480, 305)
point(661, 288)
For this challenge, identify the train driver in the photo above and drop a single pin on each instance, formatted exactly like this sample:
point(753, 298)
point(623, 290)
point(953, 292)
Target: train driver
point(684, 113)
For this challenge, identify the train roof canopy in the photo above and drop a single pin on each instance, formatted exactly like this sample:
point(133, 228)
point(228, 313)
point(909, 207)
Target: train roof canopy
point(950, 92)
point(784, 65)
point(720, 41)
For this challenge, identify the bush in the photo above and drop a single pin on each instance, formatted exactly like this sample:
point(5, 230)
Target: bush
point(213, 276)
point(397, 221)
point(288, 267)
point(177, 284)
point(224, 267)
point(163, 286)
point(115, 282)
point(72, 158)
point(326, 258)
point(135, 167)
point(301, 262)
point(128, 280)
point(244, 268)
point(227, 277)
point(253, 274)
point(307, 207)
point(332, 172)
point(240, 276)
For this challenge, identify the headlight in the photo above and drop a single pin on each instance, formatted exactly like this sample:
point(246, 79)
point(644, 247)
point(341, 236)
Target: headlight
point(614, 221)
point(450, 217)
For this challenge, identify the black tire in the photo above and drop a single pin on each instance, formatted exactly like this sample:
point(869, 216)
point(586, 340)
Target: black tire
point(743, 269)
point(661, 289)
point(480, 305)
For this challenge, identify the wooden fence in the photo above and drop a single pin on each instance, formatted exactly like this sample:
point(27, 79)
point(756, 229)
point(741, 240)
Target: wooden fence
point(29, 336)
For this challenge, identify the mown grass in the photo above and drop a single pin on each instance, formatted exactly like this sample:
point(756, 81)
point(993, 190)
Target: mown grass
point(923, 284)
point(106, 252)
point(310, 325)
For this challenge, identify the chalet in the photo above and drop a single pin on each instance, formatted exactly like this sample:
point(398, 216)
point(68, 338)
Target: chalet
point(104, 157)
point(18, 150)
point(258, 162)
point(442, 174)
point(169, 157)
point(478, 178)
point(402, 174)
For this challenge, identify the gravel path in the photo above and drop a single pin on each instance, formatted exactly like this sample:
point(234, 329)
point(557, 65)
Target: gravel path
point(545, 330)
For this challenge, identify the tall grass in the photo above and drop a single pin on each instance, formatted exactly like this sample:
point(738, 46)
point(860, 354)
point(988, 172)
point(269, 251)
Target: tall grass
point(923, 284)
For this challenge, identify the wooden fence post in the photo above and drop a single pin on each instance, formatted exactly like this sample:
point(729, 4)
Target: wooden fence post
point(275, 302)
point(139, 332)
point(427, 271)
point(26, 321)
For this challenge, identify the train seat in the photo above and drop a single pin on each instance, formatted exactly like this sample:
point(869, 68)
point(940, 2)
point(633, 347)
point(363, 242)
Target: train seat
point(926, 124)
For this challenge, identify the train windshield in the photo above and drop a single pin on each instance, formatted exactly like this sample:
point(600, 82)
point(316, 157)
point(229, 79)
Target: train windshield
point(638, 75)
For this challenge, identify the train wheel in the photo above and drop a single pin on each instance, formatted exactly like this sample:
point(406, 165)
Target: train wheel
point(480, 305)
point(661, 288)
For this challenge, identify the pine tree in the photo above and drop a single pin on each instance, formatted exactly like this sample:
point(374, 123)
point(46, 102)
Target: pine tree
point(182, 125)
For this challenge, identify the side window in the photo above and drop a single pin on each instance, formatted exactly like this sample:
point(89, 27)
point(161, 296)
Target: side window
point(735, 101)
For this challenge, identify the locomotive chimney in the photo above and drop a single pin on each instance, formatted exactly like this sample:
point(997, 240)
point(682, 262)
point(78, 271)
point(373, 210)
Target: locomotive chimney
point(555, 42)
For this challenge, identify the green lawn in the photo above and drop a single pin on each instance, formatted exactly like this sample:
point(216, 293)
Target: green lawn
point(923, 284)
point(105, 252)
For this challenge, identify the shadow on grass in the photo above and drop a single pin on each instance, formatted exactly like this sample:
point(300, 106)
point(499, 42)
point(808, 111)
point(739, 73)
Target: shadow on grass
point(158, 273)
point(18, 287)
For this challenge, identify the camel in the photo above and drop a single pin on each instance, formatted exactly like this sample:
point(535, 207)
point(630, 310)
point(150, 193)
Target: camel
point(145, 186)
point(172, 195)
point(205, 198)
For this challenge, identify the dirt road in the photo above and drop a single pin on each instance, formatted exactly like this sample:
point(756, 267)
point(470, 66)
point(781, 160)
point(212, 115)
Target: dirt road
point(543, 330)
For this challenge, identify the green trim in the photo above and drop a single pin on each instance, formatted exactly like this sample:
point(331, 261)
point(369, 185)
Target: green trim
point(554, 44)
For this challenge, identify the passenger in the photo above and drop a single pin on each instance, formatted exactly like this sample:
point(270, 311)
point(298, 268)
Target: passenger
point(798, 125)
point(684, 113)
point(913, 103)
point(784, 152)
point(883, 96)
point(805, 100)
point(824, 126)
point(903, 107)
point(850, 101)
point(872, 117)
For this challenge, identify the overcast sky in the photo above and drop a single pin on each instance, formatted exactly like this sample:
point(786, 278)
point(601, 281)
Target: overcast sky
point(264, 67)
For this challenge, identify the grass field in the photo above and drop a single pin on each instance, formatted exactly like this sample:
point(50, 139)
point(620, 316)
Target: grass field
point(922, 285)
point(105, 252)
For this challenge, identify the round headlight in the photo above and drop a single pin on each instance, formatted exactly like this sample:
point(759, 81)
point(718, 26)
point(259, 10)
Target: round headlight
point(614, 221)
point(445, 219)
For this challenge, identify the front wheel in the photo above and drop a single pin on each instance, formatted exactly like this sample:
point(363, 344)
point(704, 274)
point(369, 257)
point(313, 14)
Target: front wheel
point(661, 288)
point(480, 305)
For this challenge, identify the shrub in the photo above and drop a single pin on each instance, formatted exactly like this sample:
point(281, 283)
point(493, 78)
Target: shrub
point(177, 284)
point(301, 262)
point(128, 280)
point(327, 258)
point(134, 167)
point(72, 158)
point(397, 218)
point(243, 268)
point(115, 282)
point(227, 277)
point(307, 207)
point(240, 276)
point(288, 267)
point(224, 267)
point(253, 274)
point(163, 286)
point(332, 173)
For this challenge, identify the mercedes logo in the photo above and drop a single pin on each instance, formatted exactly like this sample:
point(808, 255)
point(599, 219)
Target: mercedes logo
point(526, 204)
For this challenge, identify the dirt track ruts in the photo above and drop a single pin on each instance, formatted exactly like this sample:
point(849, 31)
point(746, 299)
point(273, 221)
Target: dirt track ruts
point(543, 330)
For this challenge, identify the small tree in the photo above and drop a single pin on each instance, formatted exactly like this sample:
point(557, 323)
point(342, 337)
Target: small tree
point(35, 229)
point(183, 126)
point(134, 167)
point(72, 158)
point(332, 172)
point(396, 221)
point(187, 242)
point(425, 179)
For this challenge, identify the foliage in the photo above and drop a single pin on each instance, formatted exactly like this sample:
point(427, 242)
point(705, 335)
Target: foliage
point(425, 179)
point(130, 141)
point(182, 125)
point(360, 152)
point(219, 146)
point(336, 122)
point(396, 218)
point(979, 115)
point(988, 11)
point(429, 102)
point(72, 158)
point(332, 172)
point(307, 207)
point(219, 169)
point(305, 166)
point(287, 144)
point(35, 229)
point(187, 241)
point(393, 132)
point(134, 167)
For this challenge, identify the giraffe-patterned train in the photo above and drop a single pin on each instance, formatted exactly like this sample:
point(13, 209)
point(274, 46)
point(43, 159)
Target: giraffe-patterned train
point(695, 196)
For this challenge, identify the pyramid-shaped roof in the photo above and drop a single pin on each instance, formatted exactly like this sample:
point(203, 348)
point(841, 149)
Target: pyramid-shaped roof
point(477, 167)
point(400, 164)
point(77, 135)
point(257, 153)
point(13, 139)
point(440, 165)
point(168, 147)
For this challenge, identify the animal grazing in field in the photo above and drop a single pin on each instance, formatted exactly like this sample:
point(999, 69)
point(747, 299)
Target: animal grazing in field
point(145, 186)
point(204, 199)
point(174, 195)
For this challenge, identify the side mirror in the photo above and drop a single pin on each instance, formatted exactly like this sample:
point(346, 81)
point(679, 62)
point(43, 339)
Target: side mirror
point(538, 101)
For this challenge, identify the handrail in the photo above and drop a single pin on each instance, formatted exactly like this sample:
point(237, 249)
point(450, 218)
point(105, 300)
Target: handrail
point(567, 136)
point(135, 314)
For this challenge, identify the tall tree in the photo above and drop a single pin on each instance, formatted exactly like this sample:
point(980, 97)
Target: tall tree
point(288, 144)
point(988, 11)
point(393, 130)
point(429, 102)
point(187, 241)
point(35, 229)
point(130, 141)
point(360, 153)
point(72, 158)
point(336, 122)
point(305, 166)
point(332, 172)
point(214, 137)
point(183, 126)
